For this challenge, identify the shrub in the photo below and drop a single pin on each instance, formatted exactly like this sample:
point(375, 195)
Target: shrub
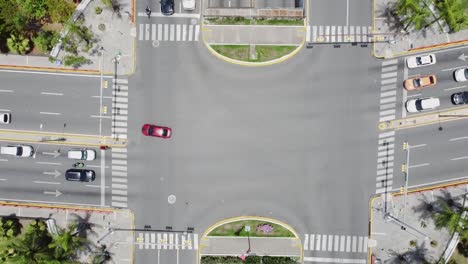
point(75, 61)
point(9, 227)
point(108, 3)
point(412, 243)
point(45, 40)
point(98, 10)
point(102, 27)
point(433, 243)
point(59, 10)
point(18, 44)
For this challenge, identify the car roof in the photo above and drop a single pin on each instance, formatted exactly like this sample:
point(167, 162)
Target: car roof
point(430, 102)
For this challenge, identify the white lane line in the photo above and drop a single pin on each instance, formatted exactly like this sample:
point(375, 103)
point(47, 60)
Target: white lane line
point(96, 186)
point(450, 69)
point(55, 183)
point(96, 166)
point(389, 68)
point(53, 73)
point(387, 118)
point(386, 134)
point(460, 158)
point(387, 106)
point(49, 113)
point(454, 139)
point(413, 95)
point(306, 242)
point(388, 75)
point(96, 116)
point(104, 97)
point(405, 93)
point(3, 179)
point(438, 182)
point(45, 93)
point(412, 76)
point(387, 112)
point(417, 146)
point(377, 233)
point(6, 91)
point(347, 12)
point(5, 110)
point(157, 14)
point(388, 87)
point(454, 88)
point(3, 160)
point(419, 165)
point(386, 94)
point(103, 180)
point(48, 163)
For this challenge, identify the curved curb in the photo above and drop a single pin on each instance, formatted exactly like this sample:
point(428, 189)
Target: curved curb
point(251, 64)
point(240, 218)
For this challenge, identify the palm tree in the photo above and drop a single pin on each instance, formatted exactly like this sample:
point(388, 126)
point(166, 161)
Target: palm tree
point(66, 243)
point(450, 219)
point(18, 44)
point(453, 13)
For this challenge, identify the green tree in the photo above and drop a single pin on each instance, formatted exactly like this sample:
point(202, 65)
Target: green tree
point(13, 20)
point(45, 40)
point(453, 13)
point(18, 44)
point(413, 13)
point(452, 220)
point(59, 11)
point(9, 227)
point(36, 9)
point(65, 244)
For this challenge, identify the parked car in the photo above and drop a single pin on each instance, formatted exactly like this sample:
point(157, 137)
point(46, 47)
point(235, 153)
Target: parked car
point(167, 7)
point(18, 151)
point(422, 104)
point(460, 98)
point(461, 75)
point(82, 154)
point(81, 175)
point(5, 118)
point(156, 131)
point(420, 61)
point(188, 5)
point(421, 82)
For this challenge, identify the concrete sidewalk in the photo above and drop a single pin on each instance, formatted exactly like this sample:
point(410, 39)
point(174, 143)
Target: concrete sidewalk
point(236, 246)
point(253, 34)
point(403, 228)
point(119, 243)
point(65, 139)
point(392, 42)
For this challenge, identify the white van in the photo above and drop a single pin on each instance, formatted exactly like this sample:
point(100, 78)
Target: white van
point(18, 151)
point(82, 154)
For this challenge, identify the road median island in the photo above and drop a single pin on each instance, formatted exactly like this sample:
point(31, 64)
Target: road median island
point(418, 226)
point(252, 239)
point(253, 53)
point(91, 229)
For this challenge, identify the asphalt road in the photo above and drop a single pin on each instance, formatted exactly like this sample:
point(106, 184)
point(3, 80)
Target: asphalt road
point(291, 141)
point(62, 103)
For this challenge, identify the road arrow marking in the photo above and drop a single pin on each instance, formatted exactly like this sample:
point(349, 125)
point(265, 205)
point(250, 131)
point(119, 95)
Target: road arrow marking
point(55, 154)
point(56, 193)
point(463, 57)
point(56, 173)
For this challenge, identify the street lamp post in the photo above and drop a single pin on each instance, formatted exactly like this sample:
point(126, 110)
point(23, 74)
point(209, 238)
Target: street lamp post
point(407, 148)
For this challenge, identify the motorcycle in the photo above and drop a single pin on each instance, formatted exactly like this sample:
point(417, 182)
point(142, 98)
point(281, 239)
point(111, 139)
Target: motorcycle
point(148, 12)
point(78, 165)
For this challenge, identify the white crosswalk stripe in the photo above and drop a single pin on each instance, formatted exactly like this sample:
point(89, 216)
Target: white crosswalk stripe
point(339, 33)
point(385, 148)
point(168, 32)
point(335, 243)
point(167, 241)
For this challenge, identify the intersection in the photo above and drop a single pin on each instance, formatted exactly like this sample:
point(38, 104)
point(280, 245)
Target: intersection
point(297, 141)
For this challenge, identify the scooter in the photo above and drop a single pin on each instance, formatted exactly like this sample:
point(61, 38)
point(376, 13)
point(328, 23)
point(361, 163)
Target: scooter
point(148, 12)
point(78, 165)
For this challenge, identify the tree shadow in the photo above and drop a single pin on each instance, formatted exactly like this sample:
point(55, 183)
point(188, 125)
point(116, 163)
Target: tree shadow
point(418, 254)
point(453, 202)
point(84, 228)
point(426, 208)
point(391, 19)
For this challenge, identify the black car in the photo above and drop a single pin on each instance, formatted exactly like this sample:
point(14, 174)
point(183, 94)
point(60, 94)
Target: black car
point(460, 98)
point(167, 7)
point(80, 175)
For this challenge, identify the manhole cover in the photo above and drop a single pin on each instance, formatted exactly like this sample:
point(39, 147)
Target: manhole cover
point(171, 199)
point(194, 21)
point(156, 43)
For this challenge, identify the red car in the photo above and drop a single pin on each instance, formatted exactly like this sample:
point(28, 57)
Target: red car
point(156, 131)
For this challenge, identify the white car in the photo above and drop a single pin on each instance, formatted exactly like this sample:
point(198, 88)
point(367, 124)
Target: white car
point(188, 5)
point(420, 61)
point(82, 154)
point(421, 104)
point(5, 118)
point(461, 75)
point(18, 151)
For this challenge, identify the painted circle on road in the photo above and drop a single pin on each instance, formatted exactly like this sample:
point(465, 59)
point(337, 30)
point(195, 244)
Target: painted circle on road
point(156, 43)
point(171, 199)
point(193, 21)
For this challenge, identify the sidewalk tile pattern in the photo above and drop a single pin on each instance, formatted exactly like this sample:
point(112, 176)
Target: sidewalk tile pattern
point(335, 243)
point(170, 241)
point(339, 34)
point(168, 32)
point(385, 149)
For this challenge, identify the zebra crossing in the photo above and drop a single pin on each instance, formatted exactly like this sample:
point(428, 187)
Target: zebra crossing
point(119, 131)
point(339, 34)
point(119, 177)
point(119, 108)
point(386, 143)
point(171, 241)
point(335, 243)
point(168, 32)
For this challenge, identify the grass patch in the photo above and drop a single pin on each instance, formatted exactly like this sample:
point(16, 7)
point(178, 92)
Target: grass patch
point(237, 229)
point(282, 22)
point(264, 53)
point(228, 21)
point(252, 21)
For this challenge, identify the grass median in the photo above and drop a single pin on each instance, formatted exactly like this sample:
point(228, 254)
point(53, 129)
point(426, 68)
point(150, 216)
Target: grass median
point(264, 53)
point(258, 228)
